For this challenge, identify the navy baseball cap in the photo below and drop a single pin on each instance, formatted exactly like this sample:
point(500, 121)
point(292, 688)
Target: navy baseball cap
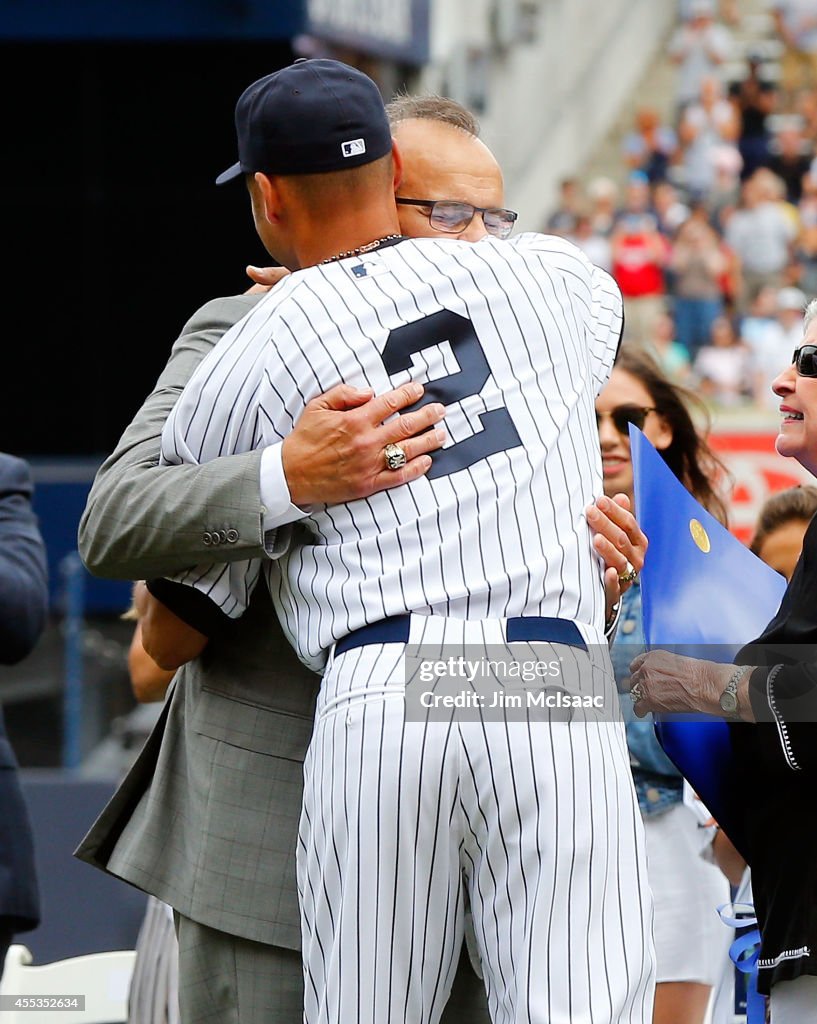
point(311, 117)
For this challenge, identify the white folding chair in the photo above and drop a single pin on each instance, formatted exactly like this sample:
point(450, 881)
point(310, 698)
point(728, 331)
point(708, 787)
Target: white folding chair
point(102, 978)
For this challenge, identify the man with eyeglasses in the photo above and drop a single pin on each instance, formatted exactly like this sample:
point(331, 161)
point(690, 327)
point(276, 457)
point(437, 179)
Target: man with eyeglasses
point(455, 218)
point(447, 165)
point(771, 697)
point(456, 143)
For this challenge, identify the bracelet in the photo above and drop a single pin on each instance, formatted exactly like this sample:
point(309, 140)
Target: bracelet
point(729, 698)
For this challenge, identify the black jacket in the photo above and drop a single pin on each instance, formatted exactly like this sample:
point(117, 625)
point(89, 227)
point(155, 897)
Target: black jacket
point(778, 763)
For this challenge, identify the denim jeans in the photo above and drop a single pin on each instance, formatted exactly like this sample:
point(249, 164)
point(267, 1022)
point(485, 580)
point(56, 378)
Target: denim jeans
point(658, 783)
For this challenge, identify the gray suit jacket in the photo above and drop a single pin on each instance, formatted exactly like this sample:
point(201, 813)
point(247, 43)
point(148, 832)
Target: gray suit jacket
point(206, 820)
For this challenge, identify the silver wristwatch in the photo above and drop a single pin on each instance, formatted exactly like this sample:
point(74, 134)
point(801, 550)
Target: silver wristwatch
point(729, 697)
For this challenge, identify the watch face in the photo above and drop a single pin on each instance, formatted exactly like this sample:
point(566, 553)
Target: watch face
point(729, 701)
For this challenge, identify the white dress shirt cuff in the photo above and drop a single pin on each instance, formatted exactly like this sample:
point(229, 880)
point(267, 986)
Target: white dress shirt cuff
point(276, 506)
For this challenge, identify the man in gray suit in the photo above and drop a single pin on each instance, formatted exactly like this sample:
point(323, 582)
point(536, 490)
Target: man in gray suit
point(207, 818)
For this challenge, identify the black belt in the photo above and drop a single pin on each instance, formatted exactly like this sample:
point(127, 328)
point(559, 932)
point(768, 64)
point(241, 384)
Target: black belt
point(522, 628)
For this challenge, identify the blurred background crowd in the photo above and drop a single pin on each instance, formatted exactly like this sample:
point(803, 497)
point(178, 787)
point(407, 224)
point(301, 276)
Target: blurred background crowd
point(709, 222)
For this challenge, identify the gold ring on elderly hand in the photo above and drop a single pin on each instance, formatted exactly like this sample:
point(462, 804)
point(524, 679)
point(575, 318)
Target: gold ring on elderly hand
point(395, 456)
point(628, 575)
point(636, 693)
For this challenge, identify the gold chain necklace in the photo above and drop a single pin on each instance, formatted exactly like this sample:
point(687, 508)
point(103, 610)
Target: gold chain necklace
point(361, 249)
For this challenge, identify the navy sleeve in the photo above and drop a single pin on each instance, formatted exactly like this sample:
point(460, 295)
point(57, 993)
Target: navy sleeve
point(191, 606)
point(23, 565)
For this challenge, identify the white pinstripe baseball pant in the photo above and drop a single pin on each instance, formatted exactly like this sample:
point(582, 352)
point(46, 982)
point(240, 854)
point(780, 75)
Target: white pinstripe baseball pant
point(539, 820)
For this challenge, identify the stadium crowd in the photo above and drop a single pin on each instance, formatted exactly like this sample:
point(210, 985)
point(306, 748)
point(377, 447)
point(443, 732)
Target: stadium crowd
point(710, 229)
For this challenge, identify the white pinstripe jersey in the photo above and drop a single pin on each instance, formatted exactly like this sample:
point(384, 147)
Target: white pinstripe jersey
point(516, 338)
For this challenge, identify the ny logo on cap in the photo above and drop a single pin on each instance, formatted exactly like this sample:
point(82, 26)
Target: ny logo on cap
point(354, 147)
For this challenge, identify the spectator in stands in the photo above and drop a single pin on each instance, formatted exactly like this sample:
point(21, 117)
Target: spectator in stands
point(670, 212)
point(595, 245)
point(781, 526)
point(805, 259)
point(796, 25)
point(807, 206)
point(637, 196)
point(773, 342)
point(791, 304)
point(23, 611)
point(804, 267)
point(602, 195)
point(690, 942)
point(722, 370)
point(761, 233)
point(639, 255)
point(672, 357)
point(727, 11)
point(760, 330)
point(708, 124)
point(723, 198)
point(698, 266)
point(755, 98)
point(699, 47)
point(806, 107)
point(731, 282)
point(651, 147)
point(563, 219)
point(790, 157)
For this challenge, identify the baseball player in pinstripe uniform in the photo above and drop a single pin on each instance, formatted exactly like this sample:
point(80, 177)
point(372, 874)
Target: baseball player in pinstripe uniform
point(492, 546)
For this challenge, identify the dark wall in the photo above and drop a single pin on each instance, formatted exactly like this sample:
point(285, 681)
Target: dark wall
point(112, 229)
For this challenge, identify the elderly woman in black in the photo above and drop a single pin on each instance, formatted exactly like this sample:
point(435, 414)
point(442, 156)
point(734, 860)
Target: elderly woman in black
point(773, 684)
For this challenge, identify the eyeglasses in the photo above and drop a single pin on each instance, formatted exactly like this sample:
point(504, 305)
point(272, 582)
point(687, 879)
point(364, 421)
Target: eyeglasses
point(805, 360)
point(449, 215)
point(623, 415)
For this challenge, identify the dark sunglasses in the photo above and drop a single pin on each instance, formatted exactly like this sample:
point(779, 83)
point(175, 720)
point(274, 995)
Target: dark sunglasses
point(805, 360)
point(623, 415)
point(448, 215)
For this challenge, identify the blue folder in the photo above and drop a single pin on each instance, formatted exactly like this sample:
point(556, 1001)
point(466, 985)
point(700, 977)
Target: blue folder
point(703, 594)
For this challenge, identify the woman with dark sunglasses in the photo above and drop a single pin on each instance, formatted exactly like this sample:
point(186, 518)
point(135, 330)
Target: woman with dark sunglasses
point(690, 941)
point(774, 686)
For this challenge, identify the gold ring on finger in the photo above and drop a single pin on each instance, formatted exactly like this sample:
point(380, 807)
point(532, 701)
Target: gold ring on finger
point(395, 456)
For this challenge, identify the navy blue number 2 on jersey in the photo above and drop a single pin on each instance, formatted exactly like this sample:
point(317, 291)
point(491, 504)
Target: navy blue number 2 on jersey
point(498, 432)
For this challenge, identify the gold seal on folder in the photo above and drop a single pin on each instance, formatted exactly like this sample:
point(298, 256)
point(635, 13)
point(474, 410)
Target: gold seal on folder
point(700, 536)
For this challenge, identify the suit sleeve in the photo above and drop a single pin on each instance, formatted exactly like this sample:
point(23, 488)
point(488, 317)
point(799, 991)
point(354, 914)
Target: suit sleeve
point(143, 520)
point(23, 566)
point(229, 405)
